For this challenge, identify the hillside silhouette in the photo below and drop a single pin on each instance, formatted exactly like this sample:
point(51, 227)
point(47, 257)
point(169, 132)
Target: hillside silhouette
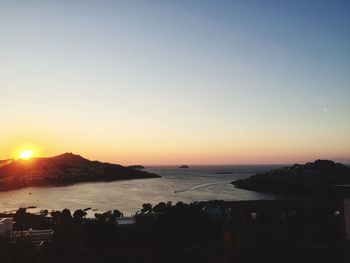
point(63, 169)
point(313, 179)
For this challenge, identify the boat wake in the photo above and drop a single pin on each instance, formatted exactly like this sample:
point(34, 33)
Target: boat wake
point(200, 186)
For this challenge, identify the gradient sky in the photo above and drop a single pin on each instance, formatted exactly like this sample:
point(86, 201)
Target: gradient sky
point(174, 82)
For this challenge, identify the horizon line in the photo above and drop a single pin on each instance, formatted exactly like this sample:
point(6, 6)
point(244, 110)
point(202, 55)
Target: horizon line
point(344, 161)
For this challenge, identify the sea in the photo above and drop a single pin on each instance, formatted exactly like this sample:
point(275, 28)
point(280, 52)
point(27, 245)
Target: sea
point(196, 183)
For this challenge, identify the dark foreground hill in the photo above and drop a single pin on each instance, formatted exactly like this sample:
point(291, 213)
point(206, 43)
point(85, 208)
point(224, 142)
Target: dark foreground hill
point(315, 179)
point(63, 169)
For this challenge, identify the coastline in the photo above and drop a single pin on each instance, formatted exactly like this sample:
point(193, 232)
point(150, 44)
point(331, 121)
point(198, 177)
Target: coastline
point(74, 182)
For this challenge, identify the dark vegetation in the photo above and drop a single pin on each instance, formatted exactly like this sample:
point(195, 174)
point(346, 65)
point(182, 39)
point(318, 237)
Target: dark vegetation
point(314, 180)
point(137, 167)
point(64, 169)
point(252, 231)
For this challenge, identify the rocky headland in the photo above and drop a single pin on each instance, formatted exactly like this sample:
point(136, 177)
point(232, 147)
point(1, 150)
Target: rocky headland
point(63, 169)
point(314, 179)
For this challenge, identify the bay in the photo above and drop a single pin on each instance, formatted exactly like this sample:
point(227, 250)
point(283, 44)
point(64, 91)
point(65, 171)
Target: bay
point(197, 183)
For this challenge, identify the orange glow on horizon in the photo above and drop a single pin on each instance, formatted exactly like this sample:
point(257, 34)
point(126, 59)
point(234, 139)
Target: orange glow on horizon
point(244, 149)
point(26, 154)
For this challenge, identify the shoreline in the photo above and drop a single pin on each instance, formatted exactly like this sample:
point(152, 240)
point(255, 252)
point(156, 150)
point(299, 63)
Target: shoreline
point(63, 184)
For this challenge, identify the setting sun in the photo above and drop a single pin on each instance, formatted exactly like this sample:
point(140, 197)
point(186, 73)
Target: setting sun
point(26, 154)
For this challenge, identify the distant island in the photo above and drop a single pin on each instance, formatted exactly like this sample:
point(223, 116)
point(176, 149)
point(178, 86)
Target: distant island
point(313, 179)
point(184, 166)
point(63, 169)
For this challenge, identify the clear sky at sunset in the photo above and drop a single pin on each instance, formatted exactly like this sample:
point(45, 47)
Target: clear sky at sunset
point(174, 82)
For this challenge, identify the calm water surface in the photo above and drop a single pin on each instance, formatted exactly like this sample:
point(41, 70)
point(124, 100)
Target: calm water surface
point(198, 183)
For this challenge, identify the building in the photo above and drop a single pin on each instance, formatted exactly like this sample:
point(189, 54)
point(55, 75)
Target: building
point(344, 197)
point(37, 237)
point(6, 226)
point(126, 221)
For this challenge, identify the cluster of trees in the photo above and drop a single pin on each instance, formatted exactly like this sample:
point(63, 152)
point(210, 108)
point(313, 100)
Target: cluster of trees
point(179, 218)
point(169, 232)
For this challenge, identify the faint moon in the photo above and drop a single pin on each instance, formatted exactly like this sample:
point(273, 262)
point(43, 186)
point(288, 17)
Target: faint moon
point(325, 109)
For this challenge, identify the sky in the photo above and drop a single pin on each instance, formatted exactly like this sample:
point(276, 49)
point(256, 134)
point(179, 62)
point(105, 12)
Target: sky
point(176, 82)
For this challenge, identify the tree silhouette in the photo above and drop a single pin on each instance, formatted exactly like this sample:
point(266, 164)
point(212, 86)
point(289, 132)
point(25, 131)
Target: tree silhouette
point(78, 215)
point(20, 217)
point(160, 208)
point(146, 208)
point(66, 214)
point(117, 213)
